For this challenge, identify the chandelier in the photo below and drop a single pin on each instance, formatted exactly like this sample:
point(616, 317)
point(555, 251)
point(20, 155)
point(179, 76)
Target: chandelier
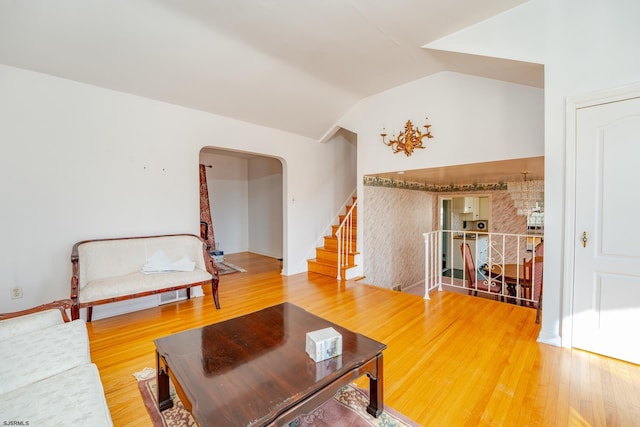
point(528, 196)
point(409, 139)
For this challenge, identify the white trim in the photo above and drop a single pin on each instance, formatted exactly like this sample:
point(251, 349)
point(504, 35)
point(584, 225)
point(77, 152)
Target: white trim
point(573, 104)
point(329, 134)
point(551, 339)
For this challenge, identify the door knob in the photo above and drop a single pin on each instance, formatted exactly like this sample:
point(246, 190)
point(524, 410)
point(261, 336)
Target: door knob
point(584, 239)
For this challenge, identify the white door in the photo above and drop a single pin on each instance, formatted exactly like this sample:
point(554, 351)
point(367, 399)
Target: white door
point(606, 299)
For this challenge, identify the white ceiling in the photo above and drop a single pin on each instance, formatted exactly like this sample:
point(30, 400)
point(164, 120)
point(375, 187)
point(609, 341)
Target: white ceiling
point(295, 65)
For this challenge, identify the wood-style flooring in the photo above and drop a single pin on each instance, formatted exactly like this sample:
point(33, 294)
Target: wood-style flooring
point(454, 360)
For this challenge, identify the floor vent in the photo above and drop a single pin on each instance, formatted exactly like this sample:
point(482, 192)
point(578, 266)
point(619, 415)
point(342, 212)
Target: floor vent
point(172, 296)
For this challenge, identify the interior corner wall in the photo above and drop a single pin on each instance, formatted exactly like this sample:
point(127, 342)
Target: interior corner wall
point(265, 206)
point(83, 162)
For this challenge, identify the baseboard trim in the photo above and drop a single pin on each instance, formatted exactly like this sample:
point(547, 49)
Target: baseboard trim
point(551, 339)
point(135, 304)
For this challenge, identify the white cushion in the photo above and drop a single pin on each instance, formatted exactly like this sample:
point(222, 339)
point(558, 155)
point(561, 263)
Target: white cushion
point(176, 247)
point(114, 258)
point(111, 258)
point(72, 398)
point(40, 354)
point(29, 322)
point(138, 282)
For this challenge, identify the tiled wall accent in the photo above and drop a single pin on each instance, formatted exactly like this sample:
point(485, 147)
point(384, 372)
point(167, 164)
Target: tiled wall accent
point(504, 218)
point(393, 246)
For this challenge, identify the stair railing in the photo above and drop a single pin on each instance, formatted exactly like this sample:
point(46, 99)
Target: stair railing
point(345, 235)
point(498, 258)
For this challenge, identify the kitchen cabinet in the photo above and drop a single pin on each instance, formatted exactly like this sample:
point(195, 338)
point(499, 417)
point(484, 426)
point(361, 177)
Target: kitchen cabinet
point(472, 208)
point(465, 205)
point(483, 208)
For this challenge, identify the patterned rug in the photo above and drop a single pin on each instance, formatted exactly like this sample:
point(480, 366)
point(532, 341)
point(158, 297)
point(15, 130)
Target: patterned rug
point(346, 409)
point(225, 267)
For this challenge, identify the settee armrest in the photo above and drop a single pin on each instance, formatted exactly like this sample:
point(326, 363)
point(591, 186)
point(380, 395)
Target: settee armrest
point(62, 305)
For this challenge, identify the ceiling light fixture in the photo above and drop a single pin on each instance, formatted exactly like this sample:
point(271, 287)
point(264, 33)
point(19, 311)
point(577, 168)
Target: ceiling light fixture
point(409, 139)
point(528, 196)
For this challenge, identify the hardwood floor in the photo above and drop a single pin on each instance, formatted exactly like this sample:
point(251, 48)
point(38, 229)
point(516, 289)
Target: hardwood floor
point(451, 361)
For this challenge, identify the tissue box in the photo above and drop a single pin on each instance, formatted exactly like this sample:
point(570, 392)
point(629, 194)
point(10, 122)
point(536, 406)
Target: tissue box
point(323, 344)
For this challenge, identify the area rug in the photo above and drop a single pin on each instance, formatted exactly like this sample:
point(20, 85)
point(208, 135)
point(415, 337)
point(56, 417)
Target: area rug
point(225, 267)
point(347, 408)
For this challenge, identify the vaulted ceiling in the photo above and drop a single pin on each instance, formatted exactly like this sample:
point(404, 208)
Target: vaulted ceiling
point(295, 65)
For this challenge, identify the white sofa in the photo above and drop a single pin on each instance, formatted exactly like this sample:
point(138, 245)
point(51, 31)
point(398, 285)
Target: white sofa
point(110, 270)
point(46, 374)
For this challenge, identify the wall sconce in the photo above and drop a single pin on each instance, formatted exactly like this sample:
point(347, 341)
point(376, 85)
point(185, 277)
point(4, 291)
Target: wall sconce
point(409, 139)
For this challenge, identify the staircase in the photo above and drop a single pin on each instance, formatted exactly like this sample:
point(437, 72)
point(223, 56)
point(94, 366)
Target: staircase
point(338, 254)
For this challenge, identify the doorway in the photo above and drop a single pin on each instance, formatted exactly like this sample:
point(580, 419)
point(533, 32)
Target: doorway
point(606, 283)
point(246, 197)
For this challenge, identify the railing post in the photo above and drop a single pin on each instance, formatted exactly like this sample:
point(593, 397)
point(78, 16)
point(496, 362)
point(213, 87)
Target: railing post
point(344, 235)
point(338, 236)
point(427, 267)
point(440, 239)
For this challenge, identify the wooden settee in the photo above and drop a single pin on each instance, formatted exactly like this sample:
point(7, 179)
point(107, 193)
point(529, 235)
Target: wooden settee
point(110, 270)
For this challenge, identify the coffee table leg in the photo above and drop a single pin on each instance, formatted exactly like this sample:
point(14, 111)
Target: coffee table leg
point(376, 400)
point(162, 380)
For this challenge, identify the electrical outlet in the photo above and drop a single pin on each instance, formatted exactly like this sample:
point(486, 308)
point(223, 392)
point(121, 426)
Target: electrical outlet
point(16, 292)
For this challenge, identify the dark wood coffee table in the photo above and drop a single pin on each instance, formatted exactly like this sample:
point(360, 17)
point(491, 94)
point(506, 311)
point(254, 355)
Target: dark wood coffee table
point(253, 370)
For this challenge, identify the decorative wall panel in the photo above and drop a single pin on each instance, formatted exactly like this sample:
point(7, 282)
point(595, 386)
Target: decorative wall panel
point(393, 246)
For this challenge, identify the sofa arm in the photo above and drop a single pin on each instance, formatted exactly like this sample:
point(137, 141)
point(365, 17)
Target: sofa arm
point(62, 305)
point(33, 319)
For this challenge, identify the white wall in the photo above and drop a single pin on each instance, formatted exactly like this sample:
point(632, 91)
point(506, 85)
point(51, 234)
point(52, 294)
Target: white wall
point(265, 206)
point(585, 46)
point(81, 162)
point(473, 120)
